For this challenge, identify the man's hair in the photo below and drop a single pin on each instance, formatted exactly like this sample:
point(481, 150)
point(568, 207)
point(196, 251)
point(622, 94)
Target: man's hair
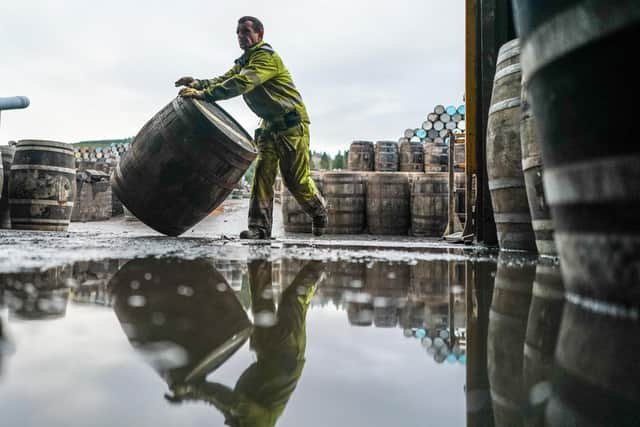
point(255, 22)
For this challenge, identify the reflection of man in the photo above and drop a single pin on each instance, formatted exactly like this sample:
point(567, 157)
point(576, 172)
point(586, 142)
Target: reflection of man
point(264, 388)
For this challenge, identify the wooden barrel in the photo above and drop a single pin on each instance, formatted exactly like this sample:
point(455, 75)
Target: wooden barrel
point(436, 157)
point(411, 157)
point(533, 178)
point(7, 153)
point(386, 156)
point(344, 193)
point(430, 204)
point(182, 164)
point(388, 210)
point(543, 324)
point(506, 336)
point(42, 185)
point(504, 155)
point(578, 85)
point(361, 156)
point(294, 218)
point(201, 318)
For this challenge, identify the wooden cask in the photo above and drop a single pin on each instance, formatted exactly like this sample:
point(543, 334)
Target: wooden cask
point(579, 80)
point(429, 204)
point(182, 164)
point(42, 185)
point(361, 156)
point(6, 152)
point(344, 193)
point(504, 155)
point(388, 209)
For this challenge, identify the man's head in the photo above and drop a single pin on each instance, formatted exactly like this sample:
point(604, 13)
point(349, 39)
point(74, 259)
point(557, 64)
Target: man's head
point(250, 31)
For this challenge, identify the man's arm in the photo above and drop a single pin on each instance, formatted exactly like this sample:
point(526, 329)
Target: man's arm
point(258, 70)
point(204, 84)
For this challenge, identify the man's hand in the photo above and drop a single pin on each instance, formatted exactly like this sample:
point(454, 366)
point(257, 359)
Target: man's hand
point(189, 92)
point(187, 81)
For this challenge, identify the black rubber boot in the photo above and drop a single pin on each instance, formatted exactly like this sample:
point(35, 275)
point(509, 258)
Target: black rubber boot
point(254, 234)
point(319, 225)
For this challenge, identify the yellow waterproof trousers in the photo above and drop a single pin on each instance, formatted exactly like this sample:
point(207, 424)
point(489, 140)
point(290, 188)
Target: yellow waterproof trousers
point(288, 149)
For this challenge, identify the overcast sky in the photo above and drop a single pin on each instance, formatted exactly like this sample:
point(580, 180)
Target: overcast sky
point(367, 69)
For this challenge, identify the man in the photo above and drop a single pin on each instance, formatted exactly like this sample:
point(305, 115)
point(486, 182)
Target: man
point(260, 76)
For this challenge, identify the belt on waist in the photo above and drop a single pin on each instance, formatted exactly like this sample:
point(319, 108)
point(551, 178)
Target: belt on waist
point(285, 122)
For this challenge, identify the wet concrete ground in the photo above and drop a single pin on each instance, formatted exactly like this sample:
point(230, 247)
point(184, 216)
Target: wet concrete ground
point(112, 323)
point(216, 235)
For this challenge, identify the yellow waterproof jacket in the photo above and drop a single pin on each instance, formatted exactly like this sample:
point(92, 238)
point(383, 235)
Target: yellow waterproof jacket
point(260, 76)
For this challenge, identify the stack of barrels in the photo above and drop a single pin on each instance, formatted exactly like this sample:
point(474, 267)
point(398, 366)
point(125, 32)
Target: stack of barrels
point(38, 185)
point(104, 158)
point(437, 125)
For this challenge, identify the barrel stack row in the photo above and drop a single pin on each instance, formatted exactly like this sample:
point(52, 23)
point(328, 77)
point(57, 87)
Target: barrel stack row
point(407, 156)
point(575, 88)
point(388, 203)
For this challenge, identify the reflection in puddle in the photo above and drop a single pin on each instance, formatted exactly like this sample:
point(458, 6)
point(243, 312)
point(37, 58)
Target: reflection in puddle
point(189, 319)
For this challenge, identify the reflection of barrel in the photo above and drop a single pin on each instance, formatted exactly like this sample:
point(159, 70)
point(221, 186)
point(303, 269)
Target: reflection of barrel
point(577, 86)
point(361, 156)
point(182, 164)
point(543, 324)
point(507, 328)
point(345, 275)
point(504, 158)
point(294, 218)
point(42, 185)
point(429, 204)
point(360, 313)
point(387, 279)
point(7, 152)
point(411, 157)
point(385, 314)
point(38, 295)
point(430, 281)
point(344, 193)
point(532, 170)
point(179, 308)
point(388, 204)
point(386, 156)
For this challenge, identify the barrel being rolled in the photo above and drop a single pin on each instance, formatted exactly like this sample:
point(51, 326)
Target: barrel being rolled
point(430, 204)
point(386, 156)
point(182, 164)
point(361, 156)
point(533, 173)
point(294, 218)
point(504, 155)
point(411, 157)
point(578, 85)
point(344, 193)
point(388, 204)
point(42, 185)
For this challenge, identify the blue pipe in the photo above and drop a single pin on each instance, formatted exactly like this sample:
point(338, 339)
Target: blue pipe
point(14, 102)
